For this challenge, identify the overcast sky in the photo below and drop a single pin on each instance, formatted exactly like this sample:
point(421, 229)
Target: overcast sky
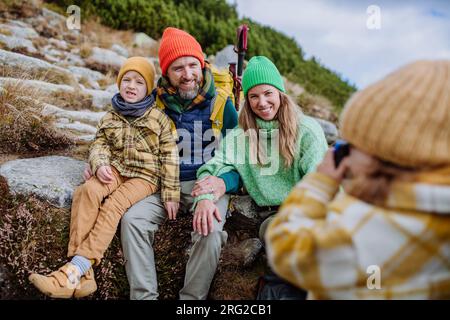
point(336, 32)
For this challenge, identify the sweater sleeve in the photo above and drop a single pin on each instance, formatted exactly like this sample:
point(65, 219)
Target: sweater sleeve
point(230, 117)
point(219, 166)
point(232, 181)
point(313, 145)
point(304, 247)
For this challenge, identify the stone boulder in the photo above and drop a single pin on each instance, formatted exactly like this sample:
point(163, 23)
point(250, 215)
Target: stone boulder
point(103, 60)
point(225, 56)
point(22, 64)
point(52, 178)
point(120, 50)
point(330, 130)
point(141, 40)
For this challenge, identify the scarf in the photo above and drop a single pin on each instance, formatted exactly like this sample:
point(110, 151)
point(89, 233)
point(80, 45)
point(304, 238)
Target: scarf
point(131, 109)
point(169, 94)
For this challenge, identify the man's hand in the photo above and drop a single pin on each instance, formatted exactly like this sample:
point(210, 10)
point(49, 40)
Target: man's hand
point(328, 168)
point(205, 212)
point(87, 174)
point(172, 209)
point(104, 174)
point(209, 184)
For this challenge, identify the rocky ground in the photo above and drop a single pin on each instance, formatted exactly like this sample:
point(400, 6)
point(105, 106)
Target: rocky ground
point(58, 83)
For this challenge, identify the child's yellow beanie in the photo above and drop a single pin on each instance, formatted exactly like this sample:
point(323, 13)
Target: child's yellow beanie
point(143, 67)
point(405, 117)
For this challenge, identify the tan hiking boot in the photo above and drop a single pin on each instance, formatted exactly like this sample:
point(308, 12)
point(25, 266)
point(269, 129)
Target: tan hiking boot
point(58, 284)
point(87, 285)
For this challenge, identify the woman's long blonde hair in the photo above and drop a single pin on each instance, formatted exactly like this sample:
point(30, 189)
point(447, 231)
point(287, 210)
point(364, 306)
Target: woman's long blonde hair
point(287, 117)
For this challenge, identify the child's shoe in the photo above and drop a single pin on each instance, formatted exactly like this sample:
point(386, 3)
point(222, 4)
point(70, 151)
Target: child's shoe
point(58, 284)
point(87, 285)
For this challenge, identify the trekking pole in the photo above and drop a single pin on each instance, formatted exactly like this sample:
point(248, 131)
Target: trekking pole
point(240, 48)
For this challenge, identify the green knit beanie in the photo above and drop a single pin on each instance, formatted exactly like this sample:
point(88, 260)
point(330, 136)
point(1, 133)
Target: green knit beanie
point(260, 70)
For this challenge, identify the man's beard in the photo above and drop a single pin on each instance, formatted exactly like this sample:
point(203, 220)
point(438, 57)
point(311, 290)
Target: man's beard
point(189, 94)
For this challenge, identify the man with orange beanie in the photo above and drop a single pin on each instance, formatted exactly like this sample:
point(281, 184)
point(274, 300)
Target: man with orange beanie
point(186, 92)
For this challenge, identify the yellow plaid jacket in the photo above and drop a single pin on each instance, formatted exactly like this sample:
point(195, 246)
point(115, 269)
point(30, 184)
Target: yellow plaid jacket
point(144, 148)
point(338, 247)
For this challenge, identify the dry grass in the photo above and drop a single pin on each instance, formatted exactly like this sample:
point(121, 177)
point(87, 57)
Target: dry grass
point(317, 106)
point(34, 238)
point(76, 100)
point(14, 9)
point(86, 50)
point(104, 37)
point(22, 127)
point(5, 32)
point(109, 79)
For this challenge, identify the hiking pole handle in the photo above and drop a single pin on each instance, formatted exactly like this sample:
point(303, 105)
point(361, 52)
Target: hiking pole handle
point(242, 33)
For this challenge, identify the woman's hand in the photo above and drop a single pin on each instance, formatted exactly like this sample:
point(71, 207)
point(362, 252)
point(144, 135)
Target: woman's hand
point(172, 209)
point(209, 184)
point(205, 211)
point(104, 174)
point(328, 168)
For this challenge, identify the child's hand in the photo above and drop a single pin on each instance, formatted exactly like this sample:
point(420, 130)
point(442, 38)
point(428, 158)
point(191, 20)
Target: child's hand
point(104, 174)
point(87, 174)
point(172, 209)
point(328, 168)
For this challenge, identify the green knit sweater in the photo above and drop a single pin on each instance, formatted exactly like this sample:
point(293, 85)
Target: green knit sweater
point(268, 184)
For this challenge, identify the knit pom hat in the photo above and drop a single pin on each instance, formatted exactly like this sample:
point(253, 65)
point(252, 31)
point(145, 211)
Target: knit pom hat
point(143, 67)
point(260, 70)
point(405, 117)
point(176, 43)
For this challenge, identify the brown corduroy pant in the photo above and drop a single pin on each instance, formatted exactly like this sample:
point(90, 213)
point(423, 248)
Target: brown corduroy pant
point(96, 212)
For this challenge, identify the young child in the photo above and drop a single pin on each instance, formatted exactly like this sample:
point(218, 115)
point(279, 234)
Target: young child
point(134, 155)
point(388, 235)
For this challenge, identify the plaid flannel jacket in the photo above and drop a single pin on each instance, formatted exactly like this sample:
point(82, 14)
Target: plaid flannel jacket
point(343, 248)
point(144, 148)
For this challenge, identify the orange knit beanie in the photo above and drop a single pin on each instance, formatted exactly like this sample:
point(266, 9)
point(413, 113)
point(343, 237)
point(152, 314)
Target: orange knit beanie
point(176, 43)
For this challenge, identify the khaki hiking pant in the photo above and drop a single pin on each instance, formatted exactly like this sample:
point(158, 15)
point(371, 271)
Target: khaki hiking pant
point(96, 212)
point(138, 228)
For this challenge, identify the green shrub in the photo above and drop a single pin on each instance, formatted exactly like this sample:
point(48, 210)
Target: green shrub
point(213, 23)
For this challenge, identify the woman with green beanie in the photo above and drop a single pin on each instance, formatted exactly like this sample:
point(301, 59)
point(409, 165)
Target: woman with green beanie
point(272, 148)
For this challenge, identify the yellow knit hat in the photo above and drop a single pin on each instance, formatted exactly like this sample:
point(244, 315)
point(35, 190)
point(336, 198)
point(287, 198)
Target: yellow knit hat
point(405, 117)
point(143, 67)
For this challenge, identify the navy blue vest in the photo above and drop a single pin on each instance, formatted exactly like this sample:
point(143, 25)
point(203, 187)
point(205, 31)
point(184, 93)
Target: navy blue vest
point(196, 142)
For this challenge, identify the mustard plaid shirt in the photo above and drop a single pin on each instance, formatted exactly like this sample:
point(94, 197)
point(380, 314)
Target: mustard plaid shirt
point(144, 148)
point(331, 245)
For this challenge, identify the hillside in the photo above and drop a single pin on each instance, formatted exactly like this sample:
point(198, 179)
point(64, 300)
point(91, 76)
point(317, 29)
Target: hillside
point(55, 85)
point(213, 23)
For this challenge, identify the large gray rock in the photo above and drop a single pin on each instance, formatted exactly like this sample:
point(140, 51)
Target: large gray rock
point(41, 86)
point(100, 99)
point(105, 59)
point(225, 56)
point(120, 50)
point(35, 66)
point(20, 32)
point(15, 43)
point(86, 116)
point(142, 40)
point(330, 130)
point(52, 178)
point(249, 249)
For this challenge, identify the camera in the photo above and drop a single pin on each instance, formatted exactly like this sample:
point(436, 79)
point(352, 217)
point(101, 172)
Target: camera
point(341, 150)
